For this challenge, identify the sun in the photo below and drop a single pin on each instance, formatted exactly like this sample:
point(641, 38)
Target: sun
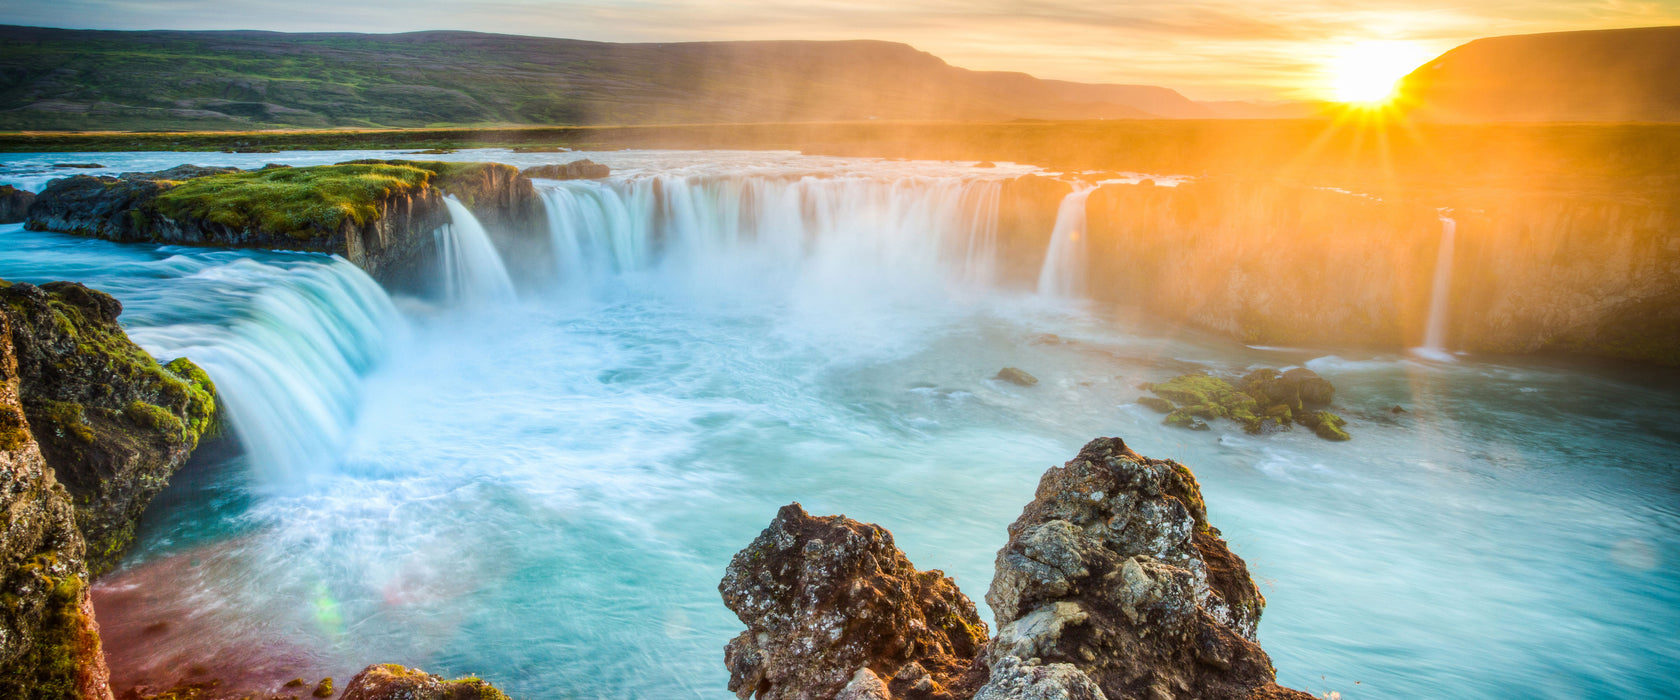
point(1367, 72)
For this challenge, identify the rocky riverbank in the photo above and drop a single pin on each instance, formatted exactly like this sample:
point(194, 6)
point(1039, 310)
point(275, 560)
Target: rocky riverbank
point(379, 215)
point(1113, 584)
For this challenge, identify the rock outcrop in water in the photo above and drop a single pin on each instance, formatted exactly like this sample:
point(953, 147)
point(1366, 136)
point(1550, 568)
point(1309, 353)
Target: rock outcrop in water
point(1263, 401)
point(395, 682)
point(112, 423)
point(832, 607)
point(49, 642)
point(1112, 585)
point(14, 204)
point(585, 169)
point(379, 215)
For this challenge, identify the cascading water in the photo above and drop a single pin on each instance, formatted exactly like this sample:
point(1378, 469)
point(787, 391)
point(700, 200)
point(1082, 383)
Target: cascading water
point(546, 494)
point(473, 272)
point(841, 230)
point(1435, 334)
point(1063, 273)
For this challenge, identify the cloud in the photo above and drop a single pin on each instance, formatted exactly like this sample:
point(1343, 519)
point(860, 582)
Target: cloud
point(1209, 49)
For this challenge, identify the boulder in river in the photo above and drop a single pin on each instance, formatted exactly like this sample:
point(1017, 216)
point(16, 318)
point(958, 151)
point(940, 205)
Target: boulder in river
point(1016, 376)
point(1113, 585)
point(14, 204)
point(832, 605)
point(1263, 401)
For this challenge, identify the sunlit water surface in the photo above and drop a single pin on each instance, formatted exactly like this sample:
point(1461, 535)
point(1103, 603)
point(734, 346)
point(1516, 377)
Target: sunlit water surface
point(546, 492)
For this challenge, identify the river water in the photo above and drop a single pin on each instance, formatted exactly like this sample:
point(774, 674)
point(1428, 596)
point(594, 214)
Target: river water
point(545, 492)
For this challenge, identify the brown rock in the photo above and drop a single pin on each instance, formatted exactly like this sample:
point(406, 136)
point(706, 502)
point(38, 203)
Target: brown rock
point(395, 682)
point(576, 170)
point(832, 606)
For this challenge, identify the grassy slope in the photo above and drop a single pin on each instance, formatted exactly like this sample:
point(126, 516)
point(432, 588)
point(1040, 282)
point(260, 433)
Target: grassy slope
point(73, 79)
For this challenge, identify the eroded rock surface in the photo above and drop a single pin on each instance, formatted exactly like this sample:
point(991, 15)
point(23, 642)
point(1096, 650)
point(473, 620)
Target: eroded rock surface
point(14, 204)
point(1114, 570)
point(111, 422)
point(49, 642)
point(576, 170)
point(833, 608)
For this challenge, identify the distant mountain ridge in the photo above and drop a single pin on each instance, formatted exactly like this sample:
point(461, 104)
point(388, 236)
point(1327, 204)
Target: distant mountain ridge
point(1605, 75)
point(86, 79)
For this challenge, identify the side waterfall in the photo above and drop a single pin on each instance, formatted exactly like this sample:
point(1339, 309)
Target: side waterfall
point(473, 272)
point(1435, 334)
point(288, 367)
point(1063, 273)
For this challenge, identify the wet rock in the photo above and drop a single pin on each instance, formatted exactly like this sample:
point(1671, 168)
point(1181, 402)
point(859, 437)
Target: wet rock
point(1264, 401)
point(576, 170)
point(111, 422)
point(14, 204)
point(78, 166)
point(985, 164)
point(1114, 570)
point(1013, 679)
point(324, 689)
point(832, 606)
point(1156, 404)
point(1015, 376)
point(395, 682)
point(49, 641)
point(181, 172)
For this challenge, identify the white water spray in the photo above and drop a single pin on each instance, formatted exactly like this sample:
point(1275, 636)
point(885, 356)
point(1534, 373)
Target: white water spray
point(1063, 273)
point(1435, 334)
point(473, 272)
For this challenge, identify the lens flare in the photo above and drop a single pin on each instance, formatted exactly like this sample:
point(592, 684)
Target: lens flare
point(1367, 72)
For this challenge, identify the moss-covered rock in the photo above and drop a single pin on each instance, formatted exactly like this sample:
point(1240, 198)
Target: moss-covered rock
point(396, 682)
point(49, 648)
point(1262, 401)
point(112, 423)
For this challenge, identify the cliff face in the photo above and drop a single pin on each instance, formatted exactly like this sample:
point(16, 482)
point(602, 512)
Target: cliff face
point(1112, 585)
point(379, 215)
point(1275, 263)
point(49, 642)
point(111, 422)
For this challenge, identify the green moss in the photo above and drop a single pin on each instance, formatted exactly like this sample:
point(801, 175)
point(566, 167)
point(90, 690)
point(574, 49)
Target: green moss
point(1181, 419)
point(1327, 425)
point(301, 203)
point(198, 394)
point(50, 668)
point(324, 689)
point(66, 418)
point(14, 430)
point(1263, 397)
point(1157, 404)
point(155, 418)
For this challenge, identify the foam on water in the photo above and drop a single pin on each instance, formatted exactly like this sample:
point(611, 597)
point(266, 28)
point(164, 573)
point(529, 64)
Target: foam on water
point(546, 493)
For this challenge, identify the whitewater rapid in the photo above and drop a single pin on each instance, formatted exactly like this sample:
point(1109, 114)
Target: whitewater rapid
point(543, 489)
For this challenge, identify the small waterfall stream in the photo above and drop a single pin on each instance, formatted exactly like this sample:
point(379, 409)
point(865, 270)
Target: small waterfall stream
point(1063, 273)
point(1435, 333)
point(473, 272)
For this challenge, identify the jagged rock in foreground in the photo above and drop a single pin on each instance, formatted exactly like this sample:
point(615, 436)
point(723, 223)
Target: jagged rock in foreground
point(49, 642)
point(395, 682)
point(833, 608)
point(1114, 569)
point(14, 204)
point(111, 422)
point(1113, 585)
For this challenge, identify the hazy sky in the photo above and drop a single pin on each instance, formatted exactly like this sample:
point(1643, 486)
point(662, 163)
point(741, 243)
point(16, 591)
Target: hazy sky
point(1207, 49)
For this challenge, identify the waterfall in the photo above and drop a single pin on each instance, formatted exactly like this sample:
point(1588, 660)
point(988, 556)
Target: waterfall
point(1063, 273)
point(850, 230)
point(1435, 334)
point(288, 366)
point(473, 272)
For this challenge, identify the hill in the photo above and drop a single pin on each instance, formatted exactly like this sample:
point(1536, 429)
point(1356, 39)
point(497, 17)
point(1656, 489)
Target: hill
point(81, 79)
point(1608, 75)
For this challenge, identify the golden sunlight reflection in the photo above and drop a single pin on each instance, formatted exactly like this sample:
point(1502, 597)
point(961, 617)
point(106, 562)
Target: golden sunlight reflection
point(1366, 72)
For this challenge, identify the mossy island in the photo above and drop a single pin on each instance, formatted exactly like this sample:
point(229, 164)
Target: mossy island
point(1263, 401)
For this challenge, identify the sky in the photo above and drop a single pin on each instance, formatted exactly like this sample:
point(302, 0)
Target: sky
point(1206, 49)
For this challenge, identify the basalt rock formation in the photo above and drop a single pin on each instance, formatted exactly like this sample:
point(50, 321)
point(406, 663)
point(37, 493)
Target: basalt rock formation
point(49, 642)
point(833, 608)
point(576, 170)
point(112, 423)
point(395, 682)
point(1112, 585)
point(379, 215)
point(14, 204)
